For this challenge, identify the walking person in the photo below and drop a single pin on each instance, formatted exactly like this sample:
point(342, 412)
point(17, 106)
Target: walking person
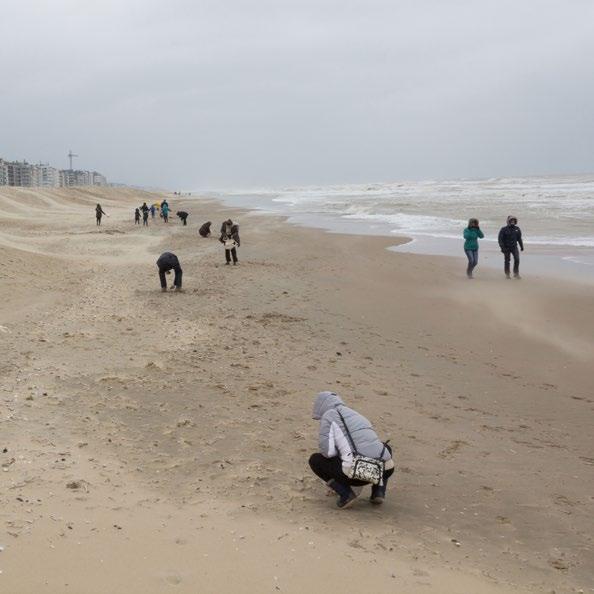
point(145, 214)
point(510, 237)
point(204, 230)
point(166, 263)
point(99, 213)
point(344, 433)
point(137, 217)
point(183, 215)
point(153, 209)
point(230, 239)
point(165, 211)
point(472, 234)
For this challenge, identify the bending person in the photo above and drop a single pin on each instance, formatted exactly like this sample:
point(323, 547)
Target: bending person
point(166, 263)
point(341, 430)
point(204, 231)
point(183, 215)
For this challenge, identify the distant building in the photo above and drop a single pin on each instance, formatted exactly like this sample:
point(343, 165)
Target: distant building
point(3, 173)
point(17, 173)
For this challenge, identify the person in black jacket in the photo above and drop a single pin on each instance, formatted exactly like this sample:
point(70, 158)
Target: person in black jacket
point(137, 217)
point(183, 215)
point(230, 239)
point(204, 231)
point(99, 213)
point(510, 237)
point(166, 263)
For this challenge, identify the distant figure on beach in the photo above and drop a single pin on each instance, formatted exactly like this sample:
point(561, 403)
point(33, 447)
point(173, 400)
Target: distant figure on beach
point(230, 239)
point(344, 433)
point(99, 213)
point(145, 214)
point(165, 211)
point(510, 237)
point(153, 209)
point(183, 215)
point(204, 231)
point(166, 263)
point(137, 217)
point(472, 234)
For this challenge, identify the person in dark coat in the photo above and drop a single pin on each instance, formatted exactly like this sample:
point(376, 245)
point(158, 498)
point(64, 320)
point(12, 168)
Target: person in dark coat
point(99, 213)
point(230, 239)
point(137, 217)
point(510, 237)
point(183, 215)
point(166, 263)
point(204, 231)
point(145, 214)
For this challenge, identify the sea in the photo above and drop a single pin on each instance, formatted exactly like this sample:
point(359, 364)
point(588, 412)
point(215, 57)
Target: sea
point(555, 213)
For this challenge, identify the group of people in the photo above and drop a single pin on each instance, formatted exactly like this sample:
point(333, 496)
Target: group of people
point(168, 261)
point(144, 210)
point(510, 238)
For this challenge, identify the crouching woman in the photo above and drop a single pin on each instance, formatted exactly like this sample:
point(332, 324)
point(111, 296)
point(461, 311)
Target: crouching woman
point(344, 433)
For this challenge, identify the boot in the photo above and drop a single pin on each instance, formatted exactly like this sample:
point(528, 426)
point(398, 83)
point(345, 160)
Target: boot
point(378, 493)
point(346, 495)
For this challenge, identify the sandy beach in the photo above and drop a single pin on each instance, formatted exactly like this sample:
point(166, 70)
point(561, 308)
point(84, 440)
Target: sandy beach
point(156, 443)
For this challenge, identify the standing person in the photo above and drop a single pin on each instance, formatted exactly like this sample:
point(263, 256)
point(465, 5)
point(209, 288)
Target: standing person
point(472, 234)
point(137, 217)
point(145, 213)
point(153, 209)
point(510, 237)
point(204, 231)
point(343, 434)
point(166, 263)
point(99, 213)
point(165, 211)
point(230, 239)
point(183, 215)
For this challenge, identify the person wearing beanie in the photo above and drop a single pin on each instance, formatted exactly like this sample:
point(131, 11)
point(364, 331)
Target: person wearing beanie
point(510, 237)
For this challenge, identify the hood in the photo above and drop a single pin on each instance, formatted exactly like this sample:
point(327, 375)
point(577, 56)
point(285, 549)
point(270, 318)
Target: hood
point(324, 402)
point(511, 218)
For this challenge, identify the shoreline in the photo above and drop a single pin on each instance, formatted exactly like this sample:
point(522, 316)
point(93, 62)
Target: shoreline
point(184, 419)
point(554, 260)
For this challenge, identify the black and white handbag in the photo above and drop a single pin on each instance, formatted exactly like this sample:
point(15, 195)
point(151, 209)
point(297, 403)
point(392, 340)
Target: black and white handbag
point(369, 470)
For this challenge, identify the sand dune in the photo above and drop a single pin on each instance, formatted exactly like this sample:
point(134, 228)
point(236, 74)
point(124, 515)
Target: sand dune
point(159, 442)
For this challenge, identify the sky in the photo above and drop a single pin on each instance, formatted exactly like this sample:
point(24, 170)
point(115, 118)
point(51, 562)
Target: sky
point(190, 94)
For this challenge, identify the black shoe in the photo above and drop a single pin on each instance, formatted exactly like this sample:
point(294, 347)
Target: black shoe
point(346, 496)
point(378, 494)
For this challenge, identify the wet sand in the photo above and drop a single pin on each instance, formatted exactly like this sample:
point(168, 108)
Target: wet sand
point(159, 442)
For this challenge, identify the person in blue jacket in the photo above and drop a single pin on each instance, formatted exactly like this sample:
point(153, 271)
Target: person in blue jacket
point(472, 234)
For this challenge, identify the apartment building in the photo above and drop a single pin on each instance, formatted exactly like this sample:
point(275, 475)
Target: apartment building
point(3, 173)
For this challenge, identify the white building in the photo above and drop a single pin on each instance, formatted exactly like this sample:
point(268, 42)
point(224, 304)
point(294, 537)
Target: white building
point(3, 173)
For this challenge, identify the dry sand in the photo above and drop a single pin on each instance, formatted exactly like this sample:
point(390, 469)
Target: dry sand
point(157, 442)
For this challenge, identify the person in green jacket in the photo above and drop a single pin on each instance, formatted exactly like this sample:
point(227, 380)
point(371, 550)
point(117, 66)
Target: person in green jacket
point(472, 234)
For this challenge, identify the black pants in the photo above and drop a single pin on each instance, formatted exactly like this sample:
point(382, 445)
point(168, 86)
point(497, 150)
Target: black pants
point(331, 468)
point(229, 253)
point(507, 253)
point(99, 220)
point(145, 221)
point(184, 222)
point(137, 221)
point(177, 281)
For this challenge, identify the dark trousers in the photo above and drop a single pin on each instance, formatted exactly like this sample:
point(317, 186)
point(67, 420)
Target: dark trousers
point(99, 220)
point(507, 253)
point(184, 222)
point(229, 253)
point(145, 221)
point(177, 281)
point(472, 256)
point(331, 468)
point(137, 221)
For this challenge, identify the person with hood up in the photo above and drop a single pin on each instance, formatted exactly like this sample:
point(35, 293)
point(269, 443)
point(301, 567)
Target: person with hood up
point(335, 458)
point(137, 217)
point(99, 213)
point(183, 215)
point(166, 263)
point(153, 210)
point(472, 234)
point(165, 211)
point(510, 237)
point(204, 231)
point(230, 239)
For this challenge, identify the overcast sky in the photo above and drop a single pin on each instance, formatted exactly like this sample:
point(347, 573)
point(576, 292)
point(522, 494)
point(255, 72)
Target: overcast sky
point(189, 94)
